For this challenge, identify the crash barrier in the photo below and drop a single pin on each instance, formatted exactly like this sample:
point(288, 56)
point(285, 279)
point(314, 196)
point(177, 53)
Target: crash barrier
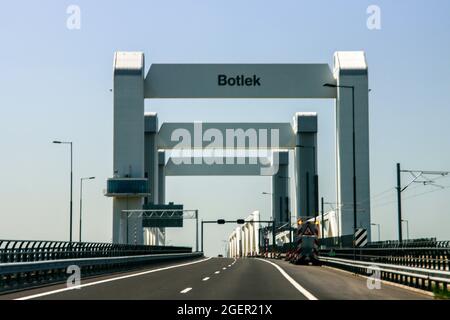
point(21, 275)
point(421, 278)
point(434, 258)
point(41, 250)
point(347, 241)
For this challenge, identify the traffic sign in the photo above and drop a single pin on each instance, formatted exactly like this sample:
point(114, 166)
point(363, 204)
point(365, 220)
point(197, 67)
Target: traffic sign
point(360, 237)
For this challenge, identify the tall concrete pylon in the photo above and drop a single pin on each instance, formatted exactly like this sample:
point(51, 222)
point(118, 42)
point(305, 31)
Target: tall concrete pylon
point(128, 162)
point(152, 236)
point(305, 166)
point(350, 70)
point(151, 159)
point(161, 177)
point(280, 188)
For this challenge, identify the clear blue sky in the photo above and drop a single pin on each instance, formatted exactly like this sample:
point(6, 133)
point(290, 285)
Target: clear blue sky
point(54, 84)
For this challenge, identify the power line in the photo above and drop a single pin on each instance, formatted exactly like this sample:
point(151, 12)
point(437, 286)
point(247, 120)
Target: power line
point(411, 197)
point(426, 192)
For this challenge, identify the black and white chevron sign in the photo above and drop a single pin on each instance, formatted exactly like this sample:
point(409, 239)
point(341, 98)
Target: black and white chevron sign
point(360, 237)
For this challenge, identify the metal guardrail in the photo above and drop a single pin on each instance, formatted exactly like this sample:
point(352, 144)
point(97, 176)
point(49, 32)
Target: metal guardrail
point(30, 250)
point(347, 241)
point(414, 243)
point(425, 279)
point(343, 241)
point(434, 258)
point(20, 275)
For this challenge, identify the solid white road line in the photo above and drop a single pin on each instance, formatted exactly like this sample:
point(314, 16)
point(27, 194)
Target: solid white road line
point(186, 290)
point(205, 279)
point(297, 286)
point(109, 280)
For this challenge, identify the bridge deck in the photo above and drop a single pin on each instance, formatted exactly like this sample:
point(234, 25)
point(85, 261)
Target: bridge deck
point(207, 279)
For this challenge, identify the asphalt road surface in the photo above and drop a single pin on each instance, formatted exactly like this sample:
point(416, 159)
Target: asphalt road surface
point(224, 279)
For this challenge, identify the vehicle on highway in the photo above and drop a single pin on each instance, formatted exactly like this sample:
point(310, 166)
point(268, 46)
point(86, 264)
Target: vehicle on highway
point(306, 244)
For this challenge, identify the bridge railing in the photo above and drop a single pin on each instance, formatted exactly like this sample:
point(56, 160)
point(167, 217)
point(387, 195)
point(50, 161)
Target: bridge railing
point(347, 242)
point(29, 263)
point(24, 275)
point(434, 258)
point(437, 281)
point(426, 253)
point(41, 250)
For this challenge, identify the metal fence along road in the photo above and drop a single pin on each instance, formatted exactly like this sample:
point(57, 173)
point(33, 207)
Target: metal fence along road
point(29, 263)
point(30, 250)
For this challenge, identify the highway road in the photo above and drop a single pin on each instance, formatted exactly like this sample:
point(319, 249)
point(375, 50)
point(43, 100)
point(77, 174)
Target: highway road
point(224, 279)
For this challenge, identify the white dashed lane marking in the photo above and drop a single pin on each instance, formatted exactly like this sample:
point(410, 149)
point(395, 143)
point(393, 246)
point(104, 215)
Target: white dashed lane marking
point(109, 280)
point(186, 290)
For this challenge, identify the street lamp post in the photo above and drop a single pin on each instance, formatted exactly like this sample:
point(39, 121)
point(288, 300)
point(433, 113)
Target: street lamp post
point(407, 228)
point(71, 183)
point(81, 201)
point(354, 143)
point(378, 226)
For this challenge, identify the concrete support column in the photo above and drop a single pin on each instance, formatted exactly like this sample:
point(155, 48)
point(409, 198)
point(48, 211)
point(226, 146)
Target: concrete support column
point(128, 145)
point(256, 226)
point(280, 188)
point(252, 238)
point(244, 242)
point(249, 239)
point(161, 177)
point(162, 187)
point(305, 166)
point(233, 245)
point(151, 168)
point(151, 156)
point(350, 70)
point(238, 242)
